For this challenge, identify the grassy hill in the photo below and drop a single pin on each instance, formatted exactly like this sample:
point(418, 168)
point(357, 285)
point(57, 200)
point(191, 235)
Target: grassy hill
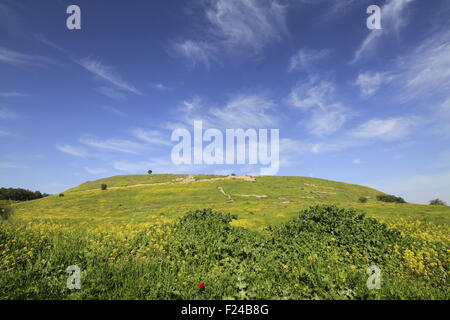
point(258, 202)
point(148, 237)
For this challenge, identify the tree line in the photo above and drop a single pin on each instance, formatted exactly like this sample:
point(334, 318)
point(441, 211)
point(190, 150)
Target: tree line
point(19, 194)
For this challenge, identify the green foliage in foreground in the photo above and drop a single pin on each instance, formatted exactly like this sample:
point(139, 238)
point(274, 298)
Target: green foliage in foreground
point(6, 210)
point(323, 253)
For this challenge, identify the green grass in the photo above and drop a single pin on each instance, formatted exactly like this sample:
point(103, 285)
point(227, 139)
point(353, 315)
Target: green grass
point(139, 242)
point(285, 197)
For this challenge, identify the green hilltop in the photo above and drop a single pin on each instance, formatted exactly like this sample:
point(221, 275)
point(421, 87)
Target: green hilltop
point(257, 201)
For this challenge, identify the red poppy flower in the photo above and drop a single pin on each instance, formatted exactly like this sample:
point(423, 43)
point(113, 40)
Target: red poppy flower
point(201, 285)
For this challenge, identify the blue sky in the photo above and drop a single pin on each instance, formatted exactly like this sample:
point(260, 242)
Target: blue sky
point(363, 106)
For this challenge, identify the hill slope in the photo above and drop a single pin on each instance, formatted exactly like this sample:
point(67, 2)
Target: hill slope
point(258, 202)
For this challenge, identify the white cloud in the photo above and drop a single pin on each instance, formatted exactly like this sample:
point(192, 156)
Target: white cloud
point(392, 19)
point(114, 111)
point(244, 111)
point(13, 165)
point(5, 133)
point(108, 74)
point(17, 58)
point(369, 82)
point(118, 145)
point(235, 27)
point(161, 87)
point(111, 93)
point(251, 24)
point(196, 52)
point(304, 58)
point(72, 150)
point(356, 161)
point(7, 114)
point(311, 94)
point(95, 171)
point(385, 129)
point(152, 136)
point(327, 120)
point(426, 70)
point(241, 111)
point(327, 116)
point(40, 37)
point(11, 94)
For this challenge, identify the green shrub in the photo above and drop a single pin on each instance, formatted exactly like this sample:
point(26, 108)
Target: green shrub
point(390, 198)
point(362, 199)
point(149, 171)
point(104, 186)
point(437, 202)
point(5, 211)
point(61, 194)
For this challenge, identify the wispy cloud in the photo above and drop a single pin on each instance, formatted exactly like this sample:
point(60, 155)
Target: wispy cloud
point(107, 74)
point(305, 58)
point(241, 111)
point(385, 129)
point(161, 87)
point(245, 111)
point(153, 137)
point(236, 28)
point(4, 133)
point(426, 70)
point(11, 94)
point(317, 98)
point(196, 52)
point(12, 165)
point(369, 83)
point(43, 39)
point(16, 58)
point(73, 150)
point(95, 171)
point(250, 24)
point(114, 111)
point(111, 93)
point(118, 145)
point(5, 113)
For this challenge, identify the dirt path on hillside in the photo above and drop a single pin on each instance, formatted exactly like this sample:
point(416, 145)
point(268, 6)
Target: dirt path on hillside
point(188, 179)
point(230, 196)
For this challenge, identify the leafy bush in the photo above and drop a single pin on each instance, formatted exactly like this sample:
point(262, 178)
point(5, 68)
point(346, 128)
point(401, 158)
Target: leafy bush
point(437, 202)
point(104, 186)
point(149, 171)
point(321, 254)
point(5, 211)
point(362, 199)
point(390, 198)
point(61, 194)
